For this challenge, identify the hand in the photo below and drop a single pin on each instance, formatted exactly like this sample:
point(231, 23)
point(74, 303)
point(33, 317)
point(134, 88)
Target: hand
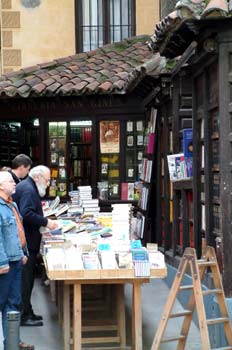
point(4, 270)
point(52, 224)
point(24, 259)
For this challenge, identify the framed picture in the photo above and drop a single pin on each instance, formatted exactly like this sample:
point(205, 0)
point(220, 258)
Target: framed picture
point(140, 140)
point(140, 155)
point(139, 125)
point(54, 158)
point(104, 168)
point(130, 141)
point(53, 144)
point(129, 126)
point(109, 136)
point(130, 172)
point(61, 161)
point(62, 173)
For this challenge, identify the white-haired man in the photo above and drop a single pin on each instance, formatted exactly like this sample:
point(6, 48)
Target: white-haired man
point(12, 253)
point(28, 198)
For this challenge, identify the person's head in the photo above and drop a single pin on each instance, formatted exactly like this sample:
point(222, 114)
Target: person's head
point(7, 184)
point(21, 165)
point(42, 177)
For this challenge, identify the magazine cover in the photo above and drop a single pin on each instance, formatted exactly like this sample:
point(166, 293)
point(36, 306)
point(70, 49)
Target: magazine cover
point(109, 136)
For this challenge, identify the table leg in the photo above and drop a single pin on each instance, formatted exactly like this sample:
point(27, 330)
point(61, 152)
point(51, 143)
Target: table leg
point(66, 317)
point(121, 323)
point(137, 343)
point(77, 316)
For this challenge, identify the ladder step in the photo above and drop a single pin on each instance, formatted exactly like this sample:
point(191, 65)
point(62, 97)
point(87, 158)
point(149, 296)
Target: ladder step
point(206, 263)
point(213, 321)
point(212, 291)
point(170, 339)
point(180, 314)
point(224, 348)
point(187, 287)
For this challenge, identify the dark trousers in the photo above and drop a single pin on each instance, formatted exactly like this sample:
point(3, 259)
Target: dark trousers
point(27, 284)
point(10, 293)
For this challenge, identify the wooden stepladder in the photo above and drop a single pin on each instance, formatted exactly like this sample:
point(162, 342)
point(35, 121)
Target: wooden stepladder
point(197, 270)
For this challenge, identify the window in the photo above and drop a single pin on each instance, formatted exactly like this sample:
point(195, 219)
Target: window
point(99, 22)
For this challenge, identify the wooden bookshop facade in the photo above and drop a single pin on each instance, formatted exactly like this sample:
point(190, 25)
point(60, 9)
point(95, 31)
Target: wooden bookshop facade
point(196, 211)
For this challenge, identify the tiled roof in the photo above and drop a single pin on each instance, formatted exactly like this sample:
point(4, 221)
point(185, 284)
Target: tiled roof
point(184, 11)
point(112, 69)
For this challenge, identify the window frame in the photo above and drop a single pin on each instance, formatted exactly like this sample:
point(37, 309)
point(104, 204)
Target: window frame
point(106, 23)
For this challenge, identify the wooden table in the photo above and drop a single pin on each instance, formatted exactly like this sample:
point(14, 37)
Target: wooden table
point(118, 277)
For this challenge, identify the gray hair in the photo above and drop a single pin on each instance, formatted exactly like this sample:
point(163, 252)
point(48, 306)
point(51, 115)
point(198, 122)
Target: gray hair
point(38, 170)
point(4, 176)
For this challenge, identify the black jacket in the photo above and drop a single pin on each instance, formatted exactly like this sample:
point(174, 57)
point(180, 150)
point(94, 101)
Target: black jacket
point(15, 178)
point(29, 204)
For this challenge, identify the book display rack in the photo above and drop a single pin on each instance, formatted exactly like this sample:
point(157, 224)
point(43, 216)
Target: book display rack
point(143, 213)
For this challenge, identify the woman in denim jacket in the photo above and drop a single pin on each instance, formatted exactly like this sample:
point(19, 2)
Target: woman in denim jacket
point(12, 257)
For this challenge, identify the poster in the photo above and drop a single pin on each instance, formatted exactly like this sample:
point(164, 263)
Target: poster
point(109, 136)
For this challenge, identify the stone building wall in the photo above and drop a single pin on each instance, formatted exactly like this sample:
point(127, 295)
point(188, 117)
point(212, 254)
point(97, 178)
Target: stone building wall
point(37, 31)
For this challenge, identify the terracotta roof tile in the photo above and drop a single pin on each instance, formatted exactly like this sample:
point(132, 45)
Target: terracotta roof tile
point(33, 81)
point(75, 80)
point(62, 80)
point(92, 86)
point(90, 80)
point(39, 88)
point(24, 89)
point(106, 70)
point(48, 81)
point(119, 84)
point(4, 84)
point(106, 86)
point(52, 88)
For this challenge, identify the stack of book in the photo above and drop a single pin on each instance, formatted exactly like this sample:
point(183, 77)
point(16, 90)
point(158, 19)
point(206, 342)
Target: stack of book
point(85, 193)
point(90, 206)
point(141, 261)
point(121, 220)
point(146, 170)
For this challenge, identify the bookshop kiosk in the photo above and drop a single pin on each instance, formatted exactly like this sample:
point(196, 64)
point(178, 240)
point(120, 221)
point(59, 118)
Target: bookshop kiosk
point(74, 281)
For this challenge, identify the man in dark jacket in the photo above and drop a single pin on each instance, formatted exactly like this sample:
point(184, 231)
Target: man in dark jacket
point(28, 198)
point(20, 168)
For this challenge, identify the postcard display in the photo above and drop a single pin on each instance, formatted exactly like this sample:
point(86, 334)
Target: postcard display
point(112, 184)
point(58, 160)
point(77, 160)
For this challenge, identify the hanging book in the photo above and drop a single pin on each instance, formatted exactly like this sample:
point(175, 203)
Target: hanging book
point(188, 142)
point(153, 120)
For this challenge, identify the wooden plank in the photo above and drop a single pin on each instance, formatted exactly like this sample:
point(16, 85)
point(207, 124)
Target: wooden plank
point(66, 317)
point(89, 276)
point(121, 319)
point(100, 340)
point(77, 316)
point(136, 317)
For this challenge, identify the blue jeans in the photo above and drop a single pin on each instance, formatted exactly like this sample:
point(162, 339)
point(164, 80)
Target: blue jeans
point(10, 293)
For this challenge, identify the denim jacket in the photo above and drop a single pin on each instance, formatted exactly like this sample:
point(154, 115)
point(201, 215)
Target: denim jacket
point(10, 246)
